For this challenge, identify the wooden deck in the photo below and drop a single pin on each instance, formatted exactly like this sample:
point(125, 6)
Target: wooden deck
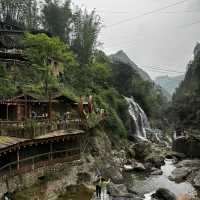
point(6, 141)
point(39, 161)
point(9, 143)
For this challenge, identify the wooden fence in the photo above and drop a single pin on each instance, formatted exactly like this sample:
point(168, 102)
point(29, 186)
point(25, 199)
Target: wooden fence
point(39, 161)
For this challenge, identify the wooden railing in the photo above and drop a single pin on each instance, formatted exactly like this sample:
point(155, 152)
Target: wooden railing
point(38, 161)
point(32, 128)
point(29, 130)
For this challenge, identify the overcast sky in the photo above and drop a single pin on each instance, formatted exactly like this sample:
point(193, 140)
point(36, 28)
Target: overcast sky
point(163, 39)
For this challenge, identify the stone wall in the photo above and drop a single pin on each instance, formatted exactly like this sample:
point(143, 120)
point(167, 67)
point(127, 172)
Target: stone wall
point(67, 172)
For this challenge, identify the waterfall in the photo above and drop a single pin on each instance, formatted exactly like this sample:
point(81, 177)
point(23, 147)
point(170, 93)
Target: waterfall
point(139, 118)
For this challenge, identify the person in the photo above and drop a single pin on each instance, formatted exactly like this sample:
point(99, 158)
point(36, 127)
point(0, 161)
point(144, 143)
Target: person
point(98, 183)
point(104, 186)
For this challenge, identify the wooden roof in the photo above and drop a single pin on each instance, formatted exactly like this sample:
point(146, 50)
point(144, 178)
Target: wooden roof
point(60, 133)
point(10, 143)
point(22, 98)
point(6, 141)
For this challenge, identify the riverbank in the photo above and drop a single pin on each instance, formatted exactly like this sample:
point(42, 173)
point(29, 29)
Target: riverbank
point(136, 168)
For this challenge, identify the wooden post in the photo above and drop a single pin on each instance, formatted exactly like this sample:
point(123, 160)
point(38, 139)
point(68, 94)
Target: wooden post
point(51, 151)
point(18, 159)
point(50, 107)
point(7, 112)
point(26, 106)
point(33, 164)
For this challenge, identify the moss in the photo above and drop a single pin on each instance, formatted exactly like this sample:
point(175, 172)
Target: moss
point(4, 139)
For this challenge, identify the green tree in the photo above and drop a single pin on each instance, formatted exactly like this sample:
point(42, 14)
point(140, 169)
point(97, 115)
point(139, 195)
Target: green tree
point(40, 50)
point(7, 86)
point(19, 12)
point(86, 27)
point(56, 18)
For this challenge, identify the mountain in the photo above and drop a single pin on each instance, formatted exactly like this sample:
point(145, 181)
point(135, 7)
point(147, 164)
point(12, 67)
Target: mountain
point(186, 99)
point(121, 56)
point(169, 83)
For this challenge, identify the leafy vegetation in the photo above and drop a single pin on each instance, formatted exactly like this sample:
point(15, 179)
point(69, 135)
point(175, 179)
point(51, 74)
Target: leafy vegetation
point(68, 60)
point(186, 100)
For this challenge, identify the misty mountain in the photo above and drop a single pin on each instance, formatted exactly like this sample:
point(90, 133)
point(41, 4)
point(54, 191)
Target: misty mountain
point(121, 56)
point(169, 83)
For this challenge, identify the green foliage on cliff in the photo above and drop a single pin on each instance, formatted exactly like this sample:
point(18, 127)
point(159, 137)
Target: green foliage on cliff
point(186, 100)
point(68, 61)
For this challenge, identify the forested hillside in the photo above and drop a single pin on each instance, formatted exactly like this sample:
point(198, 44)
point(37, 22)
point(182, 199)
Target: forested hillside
point(186, 100)
point(69, 39)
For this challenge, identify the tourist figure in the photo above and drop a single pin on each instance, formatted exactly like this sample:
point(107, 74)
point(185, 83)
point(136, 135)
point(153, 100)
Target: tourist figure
point(104, 187)
point(98, 183)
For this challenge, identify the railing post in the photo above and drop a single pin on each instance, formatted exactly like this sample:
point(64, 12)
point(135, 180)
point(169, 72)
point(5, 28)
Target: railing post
point(33, 164)
point(18, 159)
point(10, 169)
point(51, 150)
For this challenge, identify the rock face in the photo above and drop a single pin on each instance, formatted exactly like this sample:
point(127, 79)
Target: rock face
point(192, 143)
point(180, 174)
point(196, 180)
point(142, 149)
point(121, 56)
point(164, 194)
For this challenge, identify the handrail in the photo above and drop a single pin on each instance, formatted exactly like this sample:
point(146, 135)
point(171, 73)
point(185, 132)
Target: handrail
point(37, 156)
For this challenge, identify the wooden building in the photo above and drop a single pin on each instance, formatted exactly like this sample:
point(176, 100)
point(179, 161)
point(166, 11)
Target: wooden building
point(23, 155)
point(25, 106)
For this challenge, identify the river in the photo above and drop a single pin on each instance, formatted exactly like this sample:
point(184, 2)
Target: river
point(145, 185)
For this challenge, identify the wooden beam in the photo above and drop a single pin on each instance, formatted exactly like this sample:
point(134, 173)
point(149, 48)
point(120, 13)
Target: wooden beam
point(51, 150)
point(6, 111)
point(18, 158)
point(50, 108)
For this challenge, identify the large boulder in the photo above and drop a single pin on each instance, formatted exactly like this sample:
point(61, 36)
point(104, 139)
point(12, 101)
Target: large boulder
point(196, 180)
point(190, 163)
point(113, 173)
point(157, 172)
point(155, 160)
point(142, 149)
point(164, 194)
point(180, 174)
point(192, 143)
point(135, 166)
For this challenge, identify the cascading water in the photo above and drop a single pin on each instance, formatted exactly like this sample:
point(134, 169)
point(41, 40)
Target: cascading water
point(139, 118)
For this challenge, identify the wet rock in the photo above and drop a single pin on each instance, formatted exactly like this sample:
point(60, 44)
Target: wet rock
point(155, 160)
point(196, 180)
point(192, 143)
point(139, 167)
point(130, 152)
point(114, 174)
point(164, 194)
point(180, 174)
point(142, 149)
point(83, 177)
point(176, 155)
point(157, 172)
point(128, 168)
point(194, 164)
point(135, 166)
point(132, 191)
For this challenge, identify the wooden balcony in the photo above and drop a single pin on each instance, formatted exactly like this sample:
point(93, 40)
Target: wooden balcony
point(32, 129)
point(39, 161)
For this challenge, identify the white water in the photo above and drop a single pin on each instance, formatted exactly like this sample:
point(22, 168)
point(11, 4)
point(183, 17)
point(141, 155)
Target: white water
point(149, 185)
point(139, 118)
